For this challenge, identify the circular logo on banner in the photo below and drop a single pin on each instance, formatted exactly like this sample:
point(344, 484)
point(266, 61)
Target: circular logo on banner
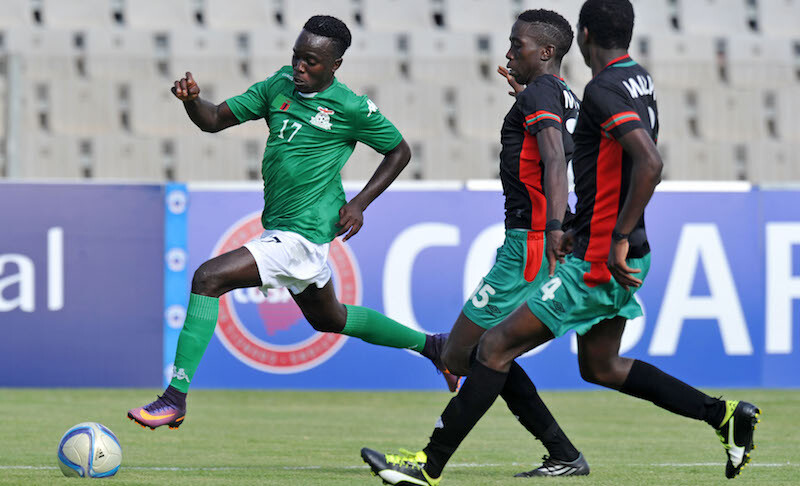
point(268, 332)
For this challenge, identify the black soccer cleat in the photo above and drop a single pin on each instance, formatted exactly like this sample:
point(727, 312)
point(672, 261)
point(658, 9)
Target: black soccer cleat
point(736, 434)
point(556, 467)
point(404, 469)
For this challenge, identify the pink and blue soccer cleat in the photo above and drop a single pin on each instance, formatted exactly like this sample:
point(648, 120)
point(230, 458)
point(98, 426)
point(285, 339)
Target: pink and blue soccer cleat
point(158, 413)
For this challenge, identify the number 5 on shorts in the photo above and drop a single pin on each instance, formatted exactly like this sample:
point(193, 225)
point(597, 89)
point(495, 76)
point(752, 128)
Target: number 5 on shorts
point(549, 288)
point(481, 296)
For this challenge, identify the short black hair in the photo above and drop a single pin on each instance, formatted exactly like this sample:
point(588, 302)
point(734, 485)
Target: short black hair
point(333, 28)
point(609, 21)
point(553, 29)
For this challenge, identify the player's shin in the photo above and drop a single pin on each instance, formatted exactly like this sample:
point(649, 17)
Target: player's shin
point(525, 403)
point(476, 396)
point(201, 319)
point(375, 328)
point(650, 383)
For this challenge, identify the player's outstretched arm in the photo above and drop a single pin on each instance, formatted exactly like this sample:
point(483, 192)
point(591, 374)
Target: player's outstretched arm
point(556, 187)
point(645, 176)
point(206, 115)
point(351, 216)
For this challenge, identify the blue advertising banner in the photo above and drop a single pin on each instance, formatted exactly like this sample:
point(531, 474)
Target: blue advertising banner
point(721, 301)
point(81, 285)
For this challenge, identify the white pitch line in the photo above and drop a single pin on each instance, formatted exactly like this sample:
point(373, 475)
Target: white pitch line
point(450, 466)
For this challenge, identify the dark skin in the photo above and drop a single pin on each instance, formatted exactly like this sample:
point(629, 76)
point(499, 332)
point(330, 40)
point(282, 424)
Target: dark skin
point(598, 349)
point(315, 60)
point(527, 60)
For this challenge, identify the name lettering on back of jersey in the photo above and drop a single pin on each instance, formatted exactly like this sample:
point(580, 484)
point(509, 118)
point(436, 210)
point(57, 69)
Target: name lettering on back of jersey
point(570, 101)
point(639, 86)
point(372, 107)
point(323, 118)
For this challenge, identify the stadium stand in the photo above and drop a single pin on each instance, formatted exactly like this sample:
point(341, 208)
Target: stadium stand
point(92, 78)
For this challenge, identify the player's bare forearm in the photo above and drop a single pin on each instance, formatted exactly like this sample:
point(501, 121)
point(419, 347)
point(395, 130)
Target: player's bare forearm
point(392, 165)
point(551, 148)
point(645, 176)
point(208, 116)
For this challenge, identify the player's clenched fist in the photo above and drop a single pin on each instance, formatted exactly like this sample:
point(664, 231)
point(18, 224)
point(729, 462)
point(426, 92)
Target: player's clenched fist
point(186, 88)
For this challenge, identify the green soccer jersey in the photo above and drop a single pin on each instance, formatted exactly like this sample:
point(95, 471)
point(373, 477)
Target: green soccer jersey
point(310, 139)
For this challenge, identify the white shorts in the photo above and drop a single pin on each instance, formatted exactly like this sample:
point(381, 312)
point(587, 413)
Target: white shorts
point(286, 259)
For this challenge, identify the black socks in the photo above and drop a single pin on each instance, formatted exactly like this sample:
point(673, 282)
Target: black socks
point(476, 396)
point(175, 397)
point(525, 403)
point(650, 383)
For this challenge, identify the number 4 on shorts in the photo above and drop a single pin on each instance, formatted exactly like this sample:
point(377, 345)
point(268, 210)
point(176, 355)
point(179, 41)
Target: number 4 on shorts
point(549, 288)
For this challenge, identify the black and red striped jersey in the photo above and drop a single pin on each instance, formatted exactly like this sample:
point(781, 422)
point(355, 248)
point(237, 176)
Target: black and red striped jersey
point(619, 99)
point(546, 102)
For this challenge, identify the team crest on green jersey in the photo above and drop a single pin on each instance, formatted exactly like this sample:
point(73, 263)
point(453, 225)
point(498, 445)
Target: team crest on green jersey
point(323, 118)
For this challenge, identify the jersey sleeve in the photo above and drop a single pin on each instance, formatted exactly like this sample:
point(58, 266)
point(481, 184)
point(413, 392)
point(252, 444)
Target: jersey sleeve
point(612, 109)
point(374, 129)
point(254, 103)
point(541, 107)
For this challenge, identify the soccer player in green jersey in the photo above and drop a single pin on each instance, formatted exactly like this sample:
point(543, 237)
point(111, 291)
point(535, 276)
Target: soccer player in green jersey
point(314, 123)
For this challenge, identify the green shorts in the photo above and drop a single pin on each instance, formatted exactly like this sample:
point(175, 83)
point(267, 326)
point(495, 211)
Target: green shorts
point(520, 268)
point(581, 294)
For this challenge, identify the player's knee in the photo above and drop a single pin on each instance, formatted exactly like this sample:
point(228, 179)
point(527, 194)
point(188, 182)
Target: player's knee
point(491, 350)
point(206, 282)
point(600, 373)
point(456, 360)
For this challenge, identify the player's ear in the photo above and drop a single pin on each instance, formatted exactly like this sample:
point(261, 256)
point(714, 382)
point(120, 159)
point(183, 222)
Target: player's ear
point(547, 52)
point(337, 63)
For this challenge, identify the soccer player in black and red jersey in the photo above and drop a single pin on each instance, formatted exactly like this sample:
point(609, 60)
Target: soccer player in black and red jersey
point(537, 142)
point(617, 168)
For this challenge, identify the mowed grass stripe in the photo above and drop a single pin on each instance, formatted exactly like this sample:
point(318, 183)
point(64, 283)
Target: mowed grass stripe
point(310, 438)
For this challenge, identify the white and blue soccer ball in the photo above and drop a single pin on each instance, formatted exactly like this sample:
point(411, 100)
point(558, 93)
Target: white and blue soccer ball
point(89, 450)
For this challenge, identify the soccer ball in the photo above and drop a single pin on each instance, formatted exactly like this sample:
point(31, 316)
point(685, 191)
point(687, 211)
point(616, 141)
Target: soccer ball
point(89, 450)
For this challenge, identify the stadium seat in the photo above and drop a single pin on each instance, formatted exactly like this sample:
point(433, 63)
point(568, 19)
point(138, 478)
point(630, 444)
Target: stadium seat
point(418, 110)
point(681, 61)
point(677, 115)
point(295, 14)
point(363, 162)
point(123, 54)
point(727, 114)
point(78, 15)
point(774, 162)
point(210, 157)
point(45, 53)
point(653, 16)
point(448, 58)
point(756, 62)
point(82, 107)
point(208, 54)
point(480, 110)
point(397, 15)
point(241, 14)
point(128, 157)
point(569, 9)
point(16, 13)
point(155, 110)
point(779, 17)
point(478, 15)
point(269, 51)
point(372, 58)
point(45, 156)
point(788, 106)
point(459, 159)
point(160, 14)
point(714, 17)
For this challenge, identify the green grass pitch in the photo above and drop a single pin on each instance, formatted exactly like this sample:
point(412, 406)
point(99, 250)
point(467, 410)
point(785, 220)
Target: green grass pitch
point(314, 438)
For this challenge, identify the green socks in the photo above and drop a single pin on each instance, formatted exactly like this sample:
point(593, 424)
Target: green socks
point(201, 319)
point(375, 328)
